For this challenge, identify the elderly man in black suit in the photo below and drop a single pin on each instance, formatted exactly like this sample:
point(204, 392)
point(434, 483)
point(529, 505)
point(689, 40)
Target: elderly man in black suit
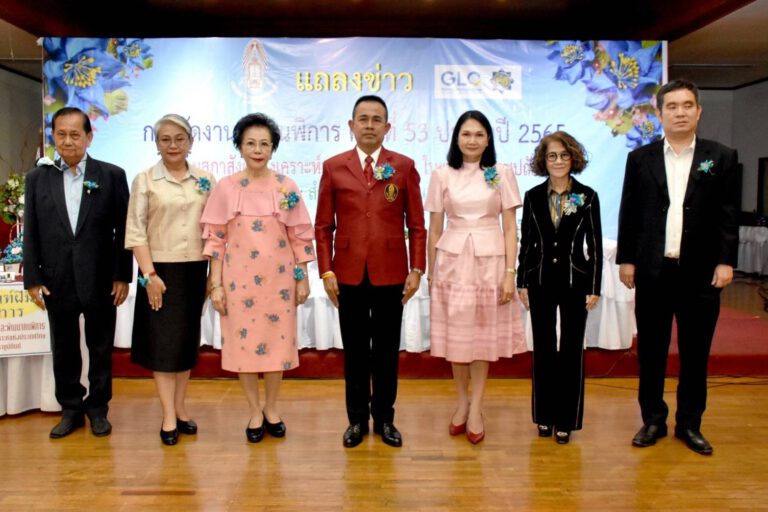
point(75, 263)
point(678, 239)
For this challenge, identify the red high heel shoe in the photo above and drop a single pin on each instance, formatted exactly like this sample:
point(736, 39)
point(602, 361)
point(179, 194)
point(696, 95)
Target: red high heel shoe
point(475, 438)
point(456, 430)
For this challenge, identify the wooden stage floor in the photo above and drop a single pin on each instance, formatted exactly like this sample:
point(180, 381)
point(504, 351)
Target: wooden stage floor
point(309, 470)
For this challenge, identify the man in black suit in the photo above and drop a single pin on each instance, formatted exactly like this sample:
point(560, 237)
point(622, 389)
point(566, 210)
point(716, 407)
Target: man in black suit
point(678, 239)
point(75, 263)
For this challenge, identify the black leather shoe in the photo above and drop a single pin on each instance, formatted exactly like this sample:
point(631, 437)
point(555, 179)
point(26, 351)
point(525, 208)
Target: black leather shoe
point(694, 440)
point(275, 429)
point(389, 434)
point(100, 426)
point(648, 435)
point(254, 435)
point(353, 436)
point(562, 436)
point(544, 430)
point(169, 437)
point(67, 425)
point(188, 427)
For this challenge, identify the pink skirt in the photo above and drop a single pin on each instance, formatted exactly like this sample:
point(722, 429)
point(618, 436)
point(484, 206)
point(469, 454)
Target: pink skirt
point(466, 321)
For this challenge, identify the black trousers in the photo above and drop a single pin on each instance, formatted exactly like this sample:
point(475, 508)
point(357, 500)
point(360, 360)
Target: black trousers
point(695, 307)
point(558, 376)
point(64, 310)
point(370, 318)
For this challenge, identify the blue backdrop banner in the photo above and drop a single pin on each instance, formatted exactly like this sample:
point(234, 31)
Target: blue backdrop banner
point(599, 91)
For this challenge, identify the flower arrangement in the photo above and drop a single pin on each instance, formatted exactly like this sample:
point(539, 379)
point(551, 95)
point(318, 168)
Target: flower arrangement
point(203, 185)
point(383, 172)
point(91, 74)
point(12, 199)
point(492, 177)
point(621, 79)
point(90, 186)
point(289, 199)
point(706, 166)
point(14, 252)
point(573, 202)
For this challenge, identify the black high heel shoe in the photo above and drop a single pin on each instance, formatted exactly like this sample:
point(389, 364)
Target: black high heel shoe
point(169, 437)
point(188, 427)
point(275, 429)
point(254, 435)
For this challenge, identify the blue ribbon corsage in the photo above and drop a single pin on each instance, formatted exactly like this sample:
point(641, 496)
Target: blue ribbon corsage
point(573, 202)
point(706, 166)
point(203, 185)
point(383, 172)
point(492, 177)
point(289, 199)
point(90, 186)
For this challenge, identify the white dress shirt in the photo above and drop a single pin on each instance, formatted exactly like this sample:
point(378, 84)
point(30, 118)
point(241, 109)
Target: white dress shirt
point(678, 169)
point(362, 155)
point(73, 189)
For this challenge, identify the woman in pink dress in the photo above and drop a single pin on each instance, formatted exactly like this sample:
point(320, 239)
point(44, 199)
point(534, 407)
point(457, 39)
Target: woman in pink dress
point(259, 239)
point(475, 315)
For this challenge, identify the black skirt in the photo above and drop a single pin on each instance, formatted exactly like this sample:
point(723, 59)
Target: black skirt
point(168, 340)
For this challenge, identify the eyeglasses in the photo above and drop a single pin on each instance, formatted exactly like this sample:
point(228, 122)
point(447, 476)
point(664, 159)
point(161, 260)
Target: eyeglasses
point(167, 141)
point(552, 157)
point(261, 146)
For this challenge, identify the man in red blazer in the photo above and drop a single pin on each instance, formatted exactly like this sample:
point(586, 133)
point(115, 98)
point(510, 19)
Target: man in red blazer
point(367, 197)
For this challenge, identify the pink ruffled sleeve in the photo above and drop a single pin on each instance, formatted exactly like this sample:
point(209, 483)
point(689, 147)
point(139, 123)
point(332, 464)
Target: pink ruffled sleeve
point(218, 211)
point(297, 223)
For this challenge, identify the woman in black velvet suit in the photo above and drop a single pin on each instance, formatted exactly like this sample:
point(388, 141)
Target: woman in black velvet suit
point(560, 217)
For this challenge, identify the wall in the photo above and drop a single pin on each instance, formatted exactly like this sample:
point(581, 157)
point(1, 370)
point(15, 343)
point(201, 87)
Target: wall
point(21, 115)
point(739, 118)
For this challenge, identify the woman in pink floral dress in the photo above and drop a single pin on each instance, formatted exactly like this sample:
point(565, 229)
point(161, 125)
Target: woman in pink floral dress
point(475, 316)
point(259, 239)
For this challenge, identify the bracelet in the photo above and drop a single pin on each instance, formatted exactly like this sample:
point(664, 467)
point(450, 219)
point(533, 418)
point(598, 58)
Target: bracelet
point(145, 280)
point(327, 274)
point(298, 273)
point(511, 271)
point(418, 271)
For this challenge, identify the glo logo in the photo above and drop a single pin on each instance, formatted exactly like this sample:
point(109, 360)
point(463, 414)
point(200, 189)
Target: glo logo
point(500, 81)
point(460, 78)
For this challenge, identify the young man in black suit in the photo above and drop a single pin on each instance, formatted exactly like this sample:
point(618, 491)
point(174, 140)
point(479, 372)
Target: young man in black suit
point(75, 263)
point(678, 240)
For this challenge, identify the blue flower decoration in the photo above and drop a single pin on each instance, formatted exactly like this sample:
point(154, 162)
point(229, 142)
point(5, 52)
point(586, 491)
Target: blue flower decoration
point(289, 199)
point(573, 202)
point(706, 166)
point(14, 251)
point(221, 234)
point(273, 318)
point(258, 280)
point(286, 365)
point(383, 172)
point(248, 303)
point(285, 294)
point(215, 255)
point(90, 186)
point(298, 273)
point(232, 286)
point(645, 129)
point(258, 225)
point(281, 269)
point(254, 254)
point(574, 59)
point(308, 249)
point(203, 185)
point(492, 177)
point(244, 182)
point(243, 333)
point(282, 243)
point(261, 349)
